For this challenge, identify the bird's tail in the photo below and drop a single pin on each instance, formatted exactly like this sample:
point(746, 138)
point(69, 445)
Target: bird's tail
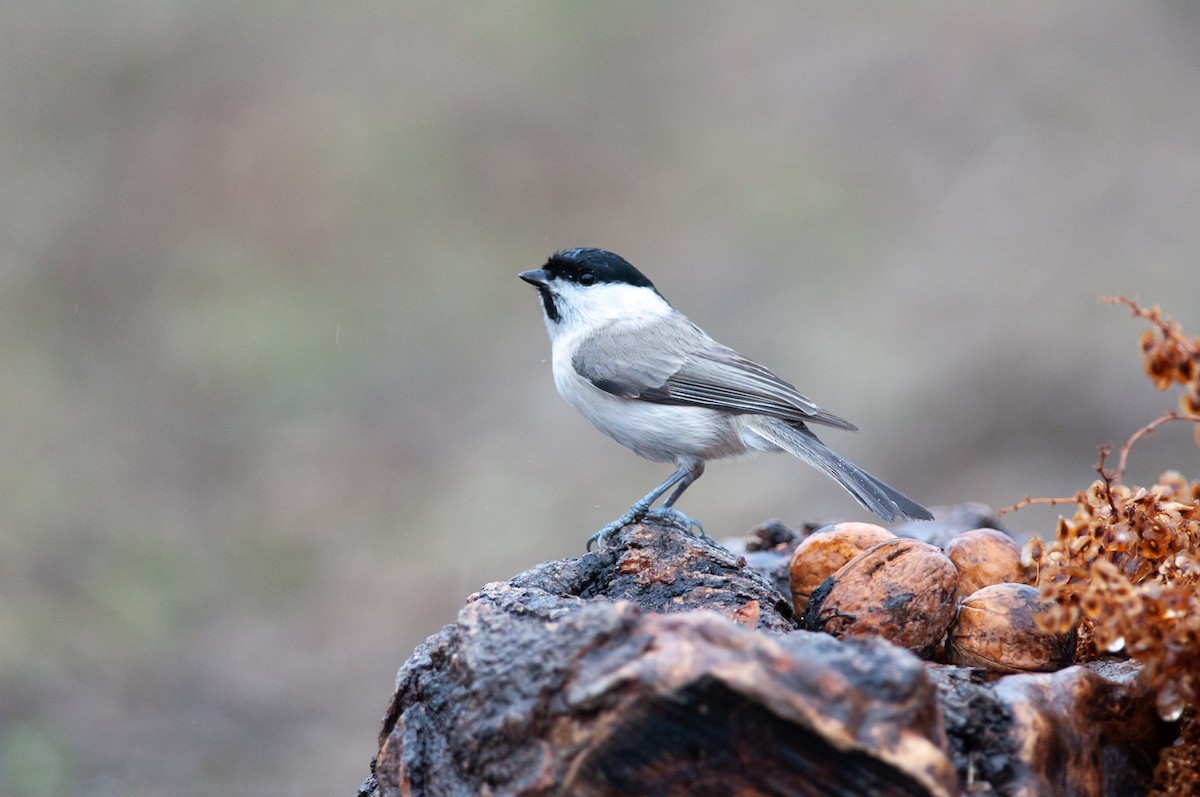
point(888, 503)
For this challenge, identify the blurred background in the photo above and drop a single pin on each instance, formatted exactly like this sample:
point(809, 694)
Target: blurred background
point(275, 403)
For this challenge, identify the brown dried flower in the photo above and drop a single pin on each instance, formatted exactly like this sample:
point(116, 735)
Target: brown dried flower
point(1169, 355)
point(1125, 567)
point(1178, 770)
point(1134, 573)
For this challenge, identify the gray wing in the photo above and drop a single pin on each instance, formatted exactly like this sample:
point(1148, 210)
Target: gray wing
point(684, 366)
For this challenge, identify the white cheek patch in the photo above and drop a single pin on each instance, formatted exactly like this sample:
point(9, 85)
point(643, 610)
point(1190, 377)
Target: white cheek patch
point(584, 308)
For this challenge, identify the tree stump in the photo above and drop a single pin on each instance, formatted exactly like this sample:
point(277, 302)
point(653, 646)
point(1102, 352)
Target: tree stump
point(666, 665)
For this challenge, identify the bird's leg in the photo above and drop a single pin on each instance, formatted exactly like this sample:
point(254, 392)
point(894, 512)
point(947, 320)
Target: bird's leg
point(684, 476)
point(638, 510)
point(668, 511)
point(694, 471)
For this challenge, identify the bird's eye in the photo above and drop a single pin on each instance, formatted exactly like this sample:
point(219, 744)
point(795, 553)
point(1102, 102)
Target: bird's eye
point(587, 278)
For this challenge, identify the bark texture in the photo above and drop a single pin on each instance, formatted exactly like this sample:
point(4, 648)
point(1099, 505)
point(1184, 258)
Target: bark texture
point(665, 665)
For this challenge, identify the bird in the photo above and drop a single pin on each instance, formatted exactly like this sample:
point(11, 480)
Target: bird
point(652, 380)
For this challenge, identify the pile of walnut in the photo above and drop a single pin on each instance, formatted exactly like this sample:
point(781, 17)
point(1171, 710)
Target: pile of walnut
point(969, 603)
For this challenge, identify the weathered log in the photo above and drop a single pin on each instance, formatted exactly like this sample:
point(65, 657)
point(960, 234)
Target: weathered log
point(660, 569)
point(664, 665)
point(1089, 729)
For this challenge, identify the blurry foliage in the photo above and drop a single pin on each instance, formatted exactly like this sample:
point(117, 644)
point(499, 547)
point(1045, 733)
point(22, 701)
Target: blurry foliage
point(33, 762)
point(1126, 565)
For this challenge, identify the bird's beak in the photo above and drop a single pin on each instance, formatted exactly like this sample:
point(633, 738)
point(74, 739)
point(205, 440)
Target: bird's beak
point(537, 277)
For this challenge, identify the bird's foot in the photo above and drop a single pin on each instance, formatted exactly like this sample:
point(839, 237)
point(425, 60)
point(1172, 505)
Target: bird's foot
point(668, 514)
point(600, 538)
point(676, 518)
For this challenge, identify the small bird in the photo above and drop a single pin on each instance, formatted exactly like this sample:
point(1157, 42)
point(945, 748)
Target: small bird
point(656, 383)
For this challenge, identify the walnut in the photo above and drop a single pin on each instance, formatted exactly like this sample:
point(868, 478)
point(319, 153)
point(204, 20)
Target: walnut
point(984, 557)
point(902, 590)
point(822, 553)
point(997, 629)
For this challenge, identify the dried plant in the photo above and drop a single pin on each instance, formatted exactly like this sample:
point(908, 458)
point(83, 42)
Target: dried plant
point(1125, 567)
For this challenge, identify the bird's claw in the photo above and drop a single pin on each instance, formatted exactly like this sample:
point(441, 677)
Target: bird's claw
point(600, 538)
point(669, 514)
point(679, 520)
